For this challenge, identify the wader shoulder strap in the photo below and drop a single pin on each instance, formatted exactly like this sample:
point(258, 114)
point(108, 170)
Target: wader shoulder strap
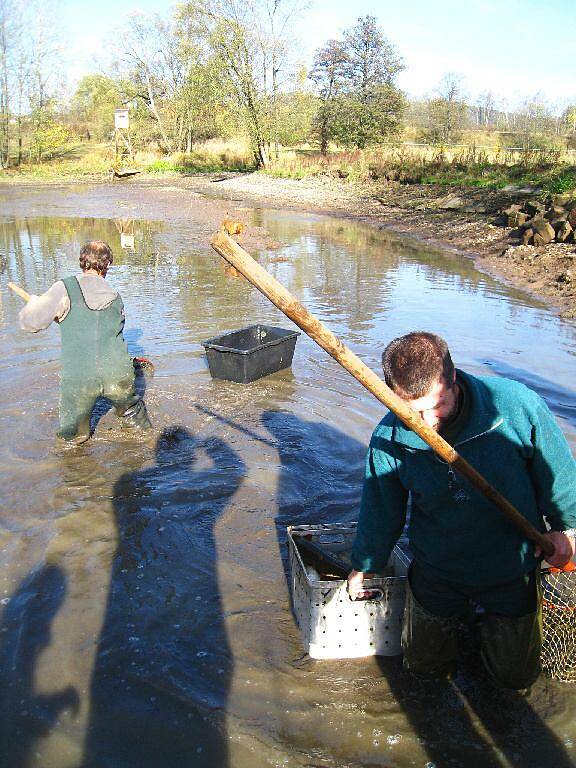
point(74, 291)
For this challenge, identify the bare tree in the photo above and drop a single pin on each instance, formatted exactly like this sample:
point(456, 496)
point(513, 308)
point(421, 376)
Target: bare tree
point(373, 60)
point(150, 64)
point(277, 16)
point(8, 33)
point(486, 104)
point(28, 68)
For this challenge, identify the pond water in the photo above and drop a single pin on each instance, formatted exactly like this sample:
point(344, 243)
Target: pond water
point(146, 617)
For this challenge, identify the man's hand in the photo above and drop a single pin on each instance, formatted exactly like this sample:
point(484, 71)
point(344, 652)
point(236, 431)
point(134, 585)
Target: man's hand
point(563, 549)
point(356, 585)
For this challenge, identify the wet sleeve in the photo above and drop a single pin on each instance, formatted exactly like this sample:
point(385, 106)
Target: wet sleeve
point(553, 471)
point(40, 311)
point(382, 513)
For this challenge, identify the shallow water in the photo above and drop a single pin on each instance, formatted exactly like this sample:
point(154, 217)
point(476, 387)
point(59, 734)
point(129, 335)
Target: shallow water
point(145, 608)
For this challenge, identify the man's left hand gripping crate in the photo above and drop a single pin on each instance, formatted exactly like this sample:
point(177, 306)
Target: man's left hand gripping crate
point(332, 625)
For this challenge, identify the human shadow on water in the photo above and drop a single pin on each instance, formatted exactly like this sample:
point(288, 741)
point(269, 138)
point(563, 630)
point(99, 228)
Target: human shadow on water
point(471, 722)
point(321, 473)
point(163, 666)
point(25, 716)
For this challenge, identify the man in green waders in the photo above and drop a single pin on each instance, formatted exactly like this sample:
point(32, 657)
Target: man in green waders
point(95, 360)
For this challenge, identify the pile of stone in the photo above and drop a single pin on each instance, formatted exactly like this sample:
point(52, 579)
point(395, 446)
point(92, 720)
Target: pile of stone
point(539, 223)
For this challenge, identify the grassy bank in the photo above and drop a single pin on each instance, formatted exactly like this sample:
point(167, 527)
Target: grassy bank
point(465, 166)
point(85, 161)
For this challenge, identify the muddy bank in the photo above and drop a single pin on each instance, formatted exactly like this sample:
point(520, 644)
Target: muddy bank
point(418, 210)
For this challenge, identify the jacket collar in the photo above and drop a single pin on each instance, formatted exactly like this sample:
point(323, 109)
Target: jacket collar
point(484, 417)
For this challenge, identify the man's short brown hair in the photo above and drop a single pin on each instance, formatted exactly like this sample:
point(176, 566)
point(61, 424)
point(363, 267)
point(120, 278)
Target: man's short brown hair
point(415, 362)
point(96, 255)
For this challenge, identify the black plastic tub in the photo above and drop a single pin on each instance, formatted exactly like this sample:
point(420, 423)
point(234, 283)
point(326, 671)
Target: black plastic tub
point(250, 353)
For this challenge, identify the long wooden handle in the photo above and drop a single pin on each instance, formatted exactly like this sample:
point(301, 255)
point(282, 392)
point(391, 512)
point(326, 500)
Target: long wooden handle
point(20, 291)
point(292, 308)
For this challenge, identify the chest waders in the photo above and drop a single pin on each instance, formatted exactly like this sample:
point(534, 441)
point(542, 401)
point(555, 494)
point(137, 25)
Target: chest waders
point(508, 632)
point(95, 363)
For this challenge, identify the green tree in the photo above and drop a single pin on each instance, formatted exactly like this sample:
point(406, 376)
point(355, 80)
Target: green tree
point(249, 40)
point(569, 118)
point(294, 114)
point(202, 101)
point(230, 30)
point(361, 123)
point(360, 102)
point(48, 135)
point(93, 104)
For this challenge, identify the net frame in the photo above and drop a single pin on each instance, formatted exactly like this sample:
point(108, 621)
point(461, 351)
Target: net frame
point(558, 654)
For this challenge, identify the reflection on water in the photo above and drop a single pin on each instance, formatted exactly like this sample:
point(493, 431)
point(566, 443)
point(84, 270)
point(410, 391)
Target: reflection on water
point(146, 616)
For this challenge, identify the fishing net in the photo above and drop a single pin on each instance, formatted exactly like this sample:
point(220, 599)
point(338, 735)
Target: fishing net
point(559, 623)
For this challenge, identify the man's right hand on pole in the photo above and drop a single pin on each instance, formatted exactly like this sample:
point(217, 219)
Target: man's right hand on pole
point(563, 549)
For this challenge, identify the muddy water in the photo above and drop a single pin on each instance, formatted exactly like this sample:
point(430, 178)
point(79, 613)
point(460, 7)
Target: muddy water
point(145, 609)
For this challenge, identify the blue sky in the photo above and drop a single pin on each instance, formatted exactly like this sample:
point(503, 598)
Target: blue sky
point(515, 48)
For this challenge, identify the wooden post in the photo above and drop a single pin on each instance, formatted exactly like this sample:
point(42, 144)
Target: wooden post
point(282, 298)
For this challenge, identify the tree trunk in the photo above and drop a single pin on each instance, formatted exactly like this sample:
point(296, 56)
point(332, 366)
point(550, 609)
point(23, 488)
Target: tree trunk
point(4, 101)
point(152, 104)
point(324, 136)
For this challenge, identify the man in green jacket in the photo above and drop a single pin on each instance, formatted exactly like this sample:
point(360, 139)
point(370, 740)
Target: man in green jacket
point(466, 553)
point(95, 359)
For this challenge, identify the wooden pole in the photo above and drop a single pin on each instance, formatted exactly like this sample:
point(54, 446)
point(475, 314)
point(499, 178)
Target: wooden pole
point(282, 298)
point(20, 291)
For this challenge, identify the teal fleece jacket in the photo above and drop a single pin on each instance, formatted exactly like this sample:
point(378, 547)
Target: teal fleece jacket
point(513, 440)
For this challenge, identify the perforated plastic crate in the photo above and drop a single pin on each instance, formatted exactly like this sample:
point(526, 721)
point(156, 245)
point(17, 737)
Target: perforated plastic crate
point(332, 625)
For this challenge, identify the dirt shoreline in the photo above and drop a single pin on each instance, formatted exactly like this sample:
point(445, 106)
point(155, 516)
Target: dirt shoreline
point(420, 211)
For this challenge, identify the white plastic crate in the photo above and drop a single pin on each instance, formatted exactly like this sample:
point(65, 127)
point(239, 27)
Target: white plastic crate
point(332, 625)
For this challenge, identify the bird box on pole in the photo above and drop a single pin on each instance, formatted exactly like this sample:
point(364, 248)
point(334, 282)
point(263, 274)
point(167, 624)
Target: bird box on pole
point(122, 143)
point(121, 119)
